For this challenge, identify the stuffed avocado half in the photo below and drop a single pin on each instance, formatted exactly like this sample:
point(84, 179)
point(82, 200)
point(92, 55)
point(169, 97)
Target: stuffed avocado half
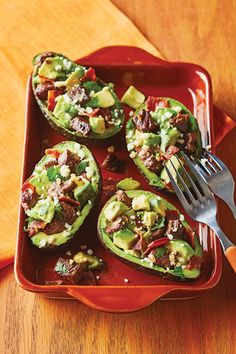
point(149, 234)
point(159, 129)
point(74, 100)
point(60, 194)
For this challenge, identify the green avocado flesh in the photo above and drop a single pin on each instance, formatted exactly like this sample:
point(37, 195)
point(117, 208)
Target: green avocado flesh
point(66, 182)
point(74, 100)
point(150, 234)
point(175, 130)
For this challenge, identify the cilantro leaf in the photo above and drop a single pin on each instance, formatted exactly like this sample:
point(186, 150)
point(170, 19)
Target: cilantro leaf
point(92, 86)
point(53, 173)
point(80, 168)
point(178, 271)
point(160, 223)
point(160, 251)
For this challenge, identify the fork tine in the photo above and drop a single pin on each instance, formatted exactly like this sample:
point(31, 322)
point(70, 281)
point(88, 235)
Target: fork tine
point(191, 197)
point(198, 176)
point(177, 189)
point(193, 185)
point(204, 166)
point(217, 161)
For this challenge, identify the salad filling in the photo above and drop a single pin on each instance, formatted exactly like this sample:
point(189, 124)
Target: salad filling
point(74, 100)
point(60, 194)
point(159, 129)
point(150, 234)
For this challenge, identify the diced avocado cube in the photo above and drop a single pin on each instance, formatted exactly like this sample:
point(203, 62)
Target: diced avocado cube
point(134, 253)
point(49, 66)
point(158, 205)
point(60, 110)
point(133, 97)
point(114, 209)
point(124, 239)
point(141, 203)
point(128, 184)
point(131, 219)
point(97, 124)
point(104, 98)
point(191, 273)
point(149, 218)
point(164, 176)
point(184, 250)
point(83, 191)
point(41, 183)
point(151, 139)
point(87, 261)
point(43, 210)
point(74, 77)
point(169, 137)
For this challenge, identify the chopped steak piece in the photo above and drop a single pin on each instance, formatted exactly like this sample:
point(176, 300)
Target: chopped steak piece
point(41, 90)
point(70, 273)
point(195, 262)
point(112, 163)
point(152, 103)
point(190, 140)
point(81, 125)
point(78, 95)
point(156, 234)
point(69, 200)
point(172, 215)
point(116, 225)
point(163, 261)
point(68, 212)
point(54, 227)
point(170, 152)
point(68, 186)
point(144, 122)
point(50, 163)
point(152, 164)
point(29, 198)
point(105, 113)
point(181, 122)
point(175, 228)
point(70, 159)
point(109, 187)
point(121, 196)
point(140, 245)
point(35, 226)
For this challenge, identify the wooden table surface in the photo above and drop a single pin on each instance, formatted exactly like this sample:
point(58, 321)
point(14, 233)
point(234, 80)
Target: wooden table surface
point(203, 33)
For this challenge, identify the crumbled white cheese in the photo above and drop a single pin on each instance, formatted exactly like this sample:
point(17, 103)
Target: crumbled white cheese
point(167, 115)
point(181, 217)
point(132, 217)
point(66, 233)
point(130, 146)
point(64, 171)
point(89, 202)
point(58, 67)
point(133, 154)
point(91, 93)
point(170, 237)
point(71, 261)
point(78, 213)
point(67, 98)
point(131, 113)
point(67, 64)
point(58, 181)
point(81, 154)
point(158, 197)
point(89, 171)
point(90, 252)
point(42, 243)
point(177, 109)
point(89, 109)
point(68, 226)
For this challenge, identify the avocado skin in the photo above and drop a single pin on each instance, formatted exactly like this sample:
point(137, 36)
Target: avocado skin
point(75, 237)
point(133, 265)
point(70, 135)
point(137, 160)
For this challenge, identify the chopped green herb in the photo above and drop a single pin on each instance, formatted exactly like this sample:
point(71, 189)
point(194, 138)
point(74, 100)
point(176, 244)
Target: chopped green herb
point(178, 271)
point(53, 173)
point(160, 223)
point(160, 251)
point(92, 86)
point(80, 168)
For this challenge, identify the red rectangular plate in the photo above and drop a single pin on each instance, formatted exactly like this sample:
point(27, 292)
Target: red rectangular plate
point(124, 66)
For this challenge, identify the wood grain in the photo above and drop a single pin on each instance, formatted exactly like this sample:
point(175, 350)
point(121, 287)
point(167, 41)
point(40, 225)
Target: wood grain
point(189, 31)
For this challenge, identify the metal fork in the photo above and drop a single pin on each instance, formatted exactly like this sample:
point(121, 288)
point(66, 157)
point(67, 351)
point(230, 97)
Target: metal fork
point(200, 203)
point(218, 178)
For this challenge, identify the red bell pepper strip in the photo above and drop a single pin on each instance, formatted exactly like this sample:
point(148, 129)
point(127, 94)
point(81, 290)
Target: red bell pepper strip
point(90, 75)
point(53, 153)
point(52, 94)
point(27, 185)
point(152, 102)
point(157, 243)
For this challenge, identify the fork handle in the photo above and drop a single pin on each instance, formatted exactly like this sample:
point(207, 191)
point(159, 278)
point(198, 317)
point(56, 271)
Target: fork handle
point(228, 247)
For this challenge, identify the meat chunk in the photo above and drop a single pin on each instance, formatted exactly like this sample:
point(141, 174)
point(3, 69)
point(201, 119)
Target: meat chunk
point(181, 122)
point(195, 262)
point(152, 164)
point(109, 187)
point(140, 245)
point(170, 152)
point(68, 271)
point(163, 261)
point(68, 200)
point(156, 234)
point(68, 186)
point(41, 90)
point(68, 213)
point(113, 163)
point(70, 159)
point(29, 198)
point(153, 102)
point(35, 226)
point(54, 227)
point(175, 228)
point(190, 143)
point(144, 122)
point(121, 196)
point(50, 163)
point(81, 125)
point(116, 225)
point(78, 95)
